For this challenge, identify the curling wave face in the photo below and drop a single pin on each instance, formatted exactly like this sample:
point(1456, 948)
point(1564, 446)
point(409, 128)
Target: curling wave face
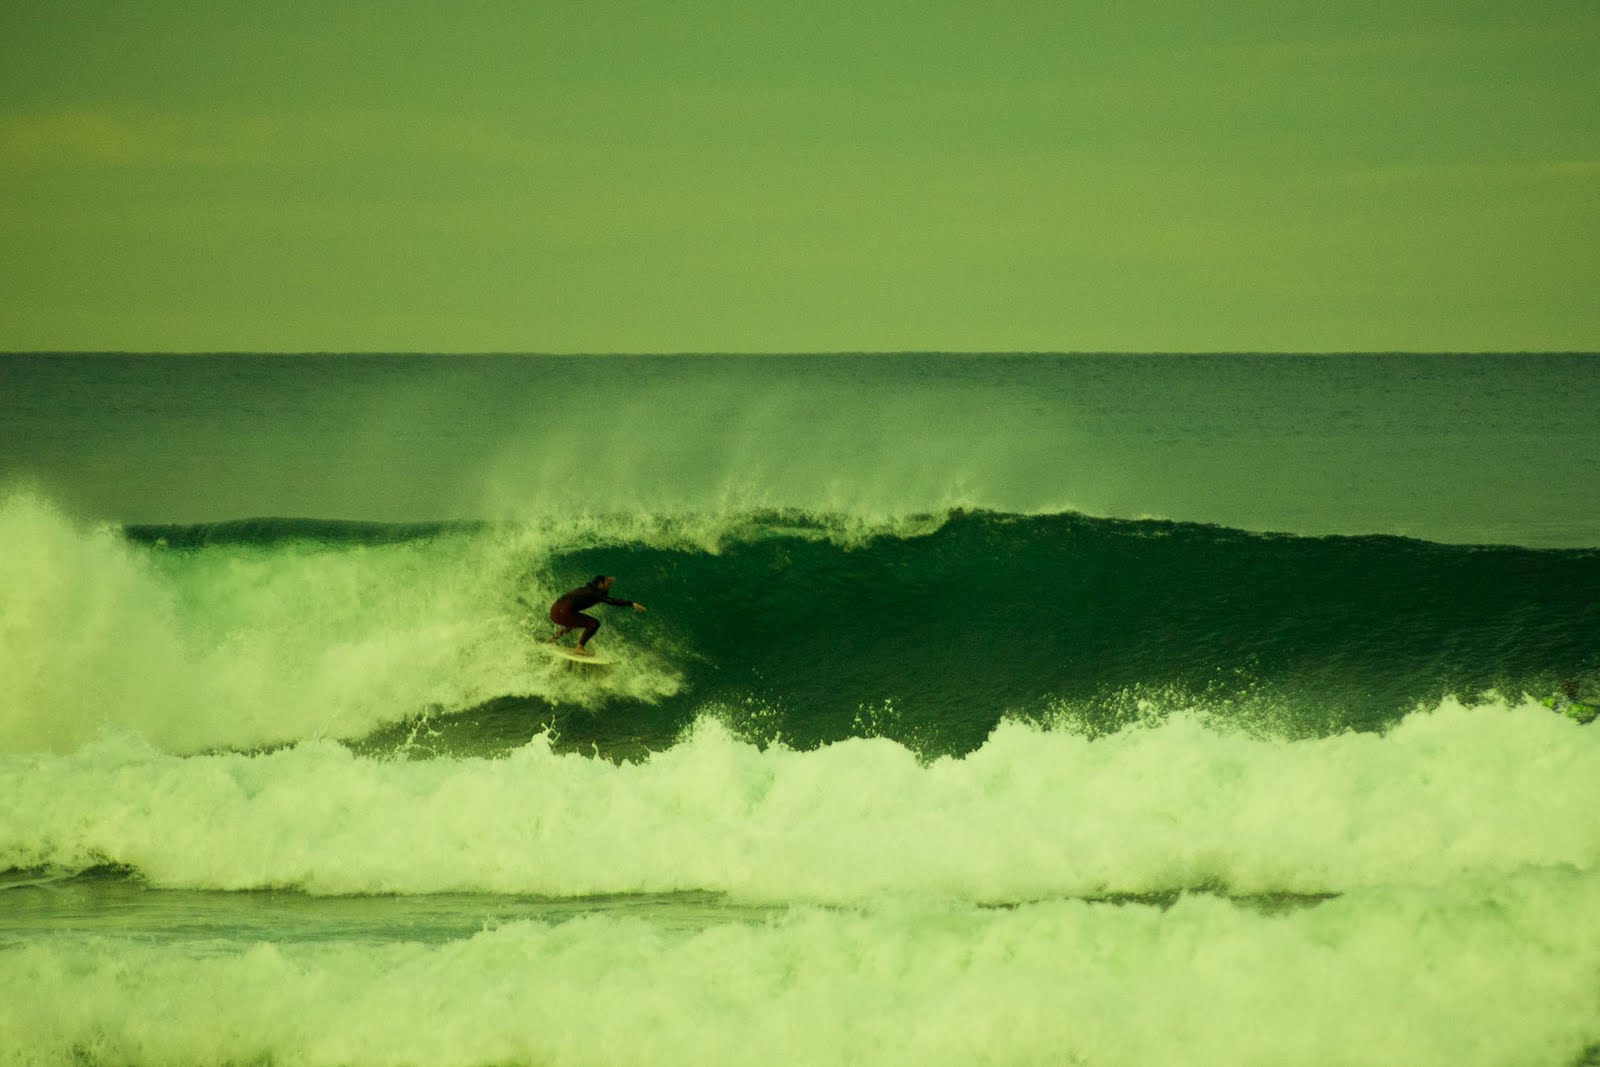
point(802, 627)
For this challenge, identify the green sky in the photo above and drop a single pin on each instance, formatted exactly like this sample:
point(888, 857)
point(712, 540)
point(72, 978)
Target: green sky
point(734, 175)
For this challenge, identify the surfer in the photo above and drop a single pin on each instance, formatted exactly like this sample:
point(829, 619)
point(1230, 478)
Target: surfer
point(567, 611)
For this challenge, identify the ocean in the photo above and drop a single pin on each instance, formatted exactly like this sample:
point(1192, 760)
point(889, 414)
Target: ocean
point(988, 709)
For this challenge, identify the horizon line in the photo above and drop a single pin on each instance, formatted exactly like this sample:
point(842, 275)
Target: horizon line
point(781, 353)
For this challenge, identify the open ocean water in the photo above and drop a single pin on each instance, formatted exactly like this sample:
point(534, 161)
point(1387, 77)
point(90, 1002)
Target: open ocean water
point(988, 710)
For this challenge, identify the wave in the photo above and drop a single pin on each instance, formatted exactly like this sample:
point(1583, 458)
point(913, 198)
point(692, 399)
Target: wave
point(797, 626)
point(1031, 814)
point(1476, 974)
point(804, 627)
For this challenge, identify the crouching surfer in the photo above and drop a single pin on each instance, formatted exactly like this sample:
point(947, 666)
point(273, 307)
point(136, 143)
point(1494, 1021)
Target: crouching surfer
point(567, 611)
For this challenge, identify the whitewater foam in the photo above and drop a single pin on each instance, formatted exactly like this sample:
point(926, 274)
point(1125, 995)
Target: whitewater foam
point(1476, 973)
point(1032, 814)
point(244, 645)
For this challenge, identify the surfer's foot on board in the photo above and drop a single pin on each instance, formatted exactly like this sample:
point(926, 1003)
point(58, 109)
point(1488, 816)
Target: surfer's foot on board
point(579, 650)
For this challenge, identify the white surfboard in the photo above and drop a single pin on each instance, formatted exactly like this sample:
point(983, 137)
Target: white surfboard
point(577, 657)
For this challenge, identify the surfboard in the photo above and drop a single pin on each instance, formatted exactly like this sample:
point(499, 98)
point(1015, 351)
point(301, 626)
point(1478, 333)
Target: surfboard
point(573, 657)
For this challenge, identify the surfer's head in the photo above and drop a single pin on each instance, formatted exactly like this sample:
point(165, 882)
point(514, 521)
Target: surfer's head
point(601, 582)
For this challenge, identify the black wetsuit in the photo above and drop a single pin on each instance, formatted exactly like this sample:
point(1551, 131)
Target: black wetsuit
point(567, 611)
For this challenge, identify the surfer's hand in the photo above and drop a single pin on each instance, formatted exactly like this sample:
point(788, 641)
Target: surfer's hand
point(637, 606)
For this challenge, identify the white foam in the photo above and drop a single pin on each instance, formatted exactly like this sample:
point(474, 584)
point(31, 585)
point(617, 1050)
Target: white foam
point(240, 646)
point(1482, 972)
point(1031, 814)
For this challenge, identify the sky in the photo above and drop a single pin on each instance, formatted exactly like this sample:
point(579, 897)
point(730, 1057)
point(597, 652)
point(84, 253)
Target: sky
point(745, 176)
